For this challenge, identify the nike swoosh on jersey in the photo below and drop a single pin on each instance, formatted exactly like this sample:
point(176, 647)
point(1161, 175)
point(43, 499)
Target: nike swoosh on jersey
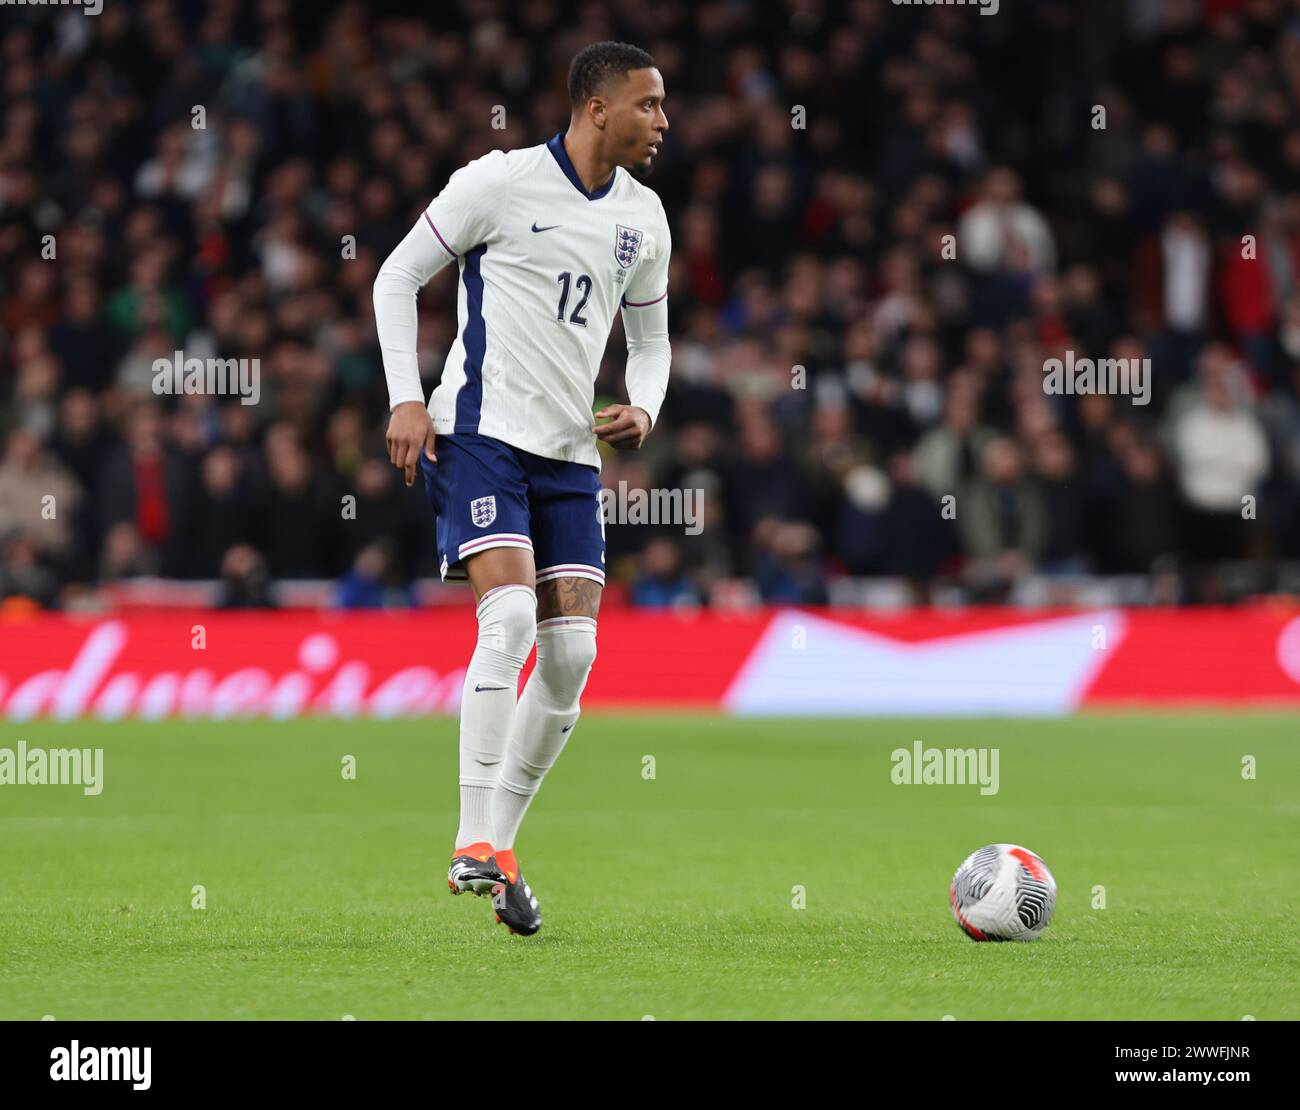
point(551, 228)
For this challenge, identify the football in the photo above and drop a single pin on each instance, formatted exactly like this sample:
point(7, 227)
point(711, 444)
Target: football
point(1003, 892)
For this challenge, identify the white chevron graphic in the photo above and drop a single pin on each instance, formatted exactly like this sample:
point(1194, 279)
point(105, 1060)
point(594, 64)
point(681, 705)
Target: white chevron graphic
point(1039, 668)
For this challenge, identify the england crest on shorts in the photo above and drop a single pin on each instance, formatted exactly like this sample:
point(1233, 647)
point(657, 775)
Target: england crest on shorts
point(627, 244)
point(483, 510)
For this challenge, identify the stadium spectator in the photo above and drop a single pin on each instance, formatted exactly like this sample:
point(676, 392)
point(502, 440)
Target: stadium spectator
point(1221, 454)
point(370, 583)
point(1001, 228)
point(1003, 521)
point(146, 483)
point(38, 497)
point(661, 583)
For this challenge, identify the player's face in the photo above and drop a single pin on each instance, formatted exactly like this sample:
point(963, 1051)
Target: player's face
point(636, 119)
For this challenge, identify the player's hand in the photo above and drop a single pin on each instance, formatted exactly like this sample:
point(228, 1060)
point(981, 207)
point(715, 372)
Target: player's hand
point(626, 429)
point(410, 431)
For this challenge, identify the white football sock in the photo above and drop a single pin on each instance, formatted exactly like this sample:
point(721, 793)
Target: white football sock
point(507, 626)
point(548, 710)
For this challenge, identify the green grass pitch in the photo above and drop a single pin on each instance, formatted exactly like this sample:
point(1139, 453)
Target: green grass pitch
point(670, 896)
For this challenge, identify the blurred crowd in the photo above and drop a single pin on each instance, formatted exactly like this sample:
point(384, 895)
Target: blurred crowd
point(885, 220)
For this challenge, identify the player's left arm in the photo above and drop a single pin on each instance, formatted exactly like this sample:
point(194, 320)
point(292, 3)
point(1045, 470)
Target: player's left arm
point(649, 353)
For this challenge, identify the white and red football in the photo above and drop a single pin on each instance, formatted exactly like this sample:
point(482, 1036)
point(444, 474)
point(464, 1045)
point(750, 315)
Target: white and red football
point(1003, 892)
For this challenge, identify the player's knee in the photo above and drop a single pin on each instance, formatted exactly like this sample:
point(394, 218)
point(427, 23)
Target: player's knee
point(507, 622)
point(566, 651)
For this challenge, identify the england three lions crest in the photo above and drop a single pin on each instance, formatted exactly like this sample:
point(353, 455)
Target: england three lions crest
point(627, 245)
point(483, 510)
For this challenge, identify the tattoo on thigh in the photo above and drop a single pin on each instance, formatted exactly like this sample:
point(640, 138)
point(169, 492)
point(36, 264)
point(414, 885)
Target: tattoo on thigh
point(568, 597)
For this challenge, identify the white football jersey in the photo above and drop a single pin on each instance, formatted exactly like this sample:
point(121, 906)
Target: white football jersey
point(544, 265)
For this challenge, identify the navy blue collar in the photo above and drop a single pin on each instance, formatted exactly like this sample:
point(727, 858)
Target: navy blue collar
point(556, 146)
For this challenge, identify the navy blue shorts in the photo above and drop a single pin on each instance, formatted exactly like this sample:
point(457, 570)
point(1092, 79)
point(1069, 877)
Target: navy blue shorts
point(488, 494)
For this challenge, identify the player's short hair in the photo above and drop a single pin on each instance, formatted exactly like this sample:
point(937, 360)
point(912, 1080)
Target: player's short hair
point(594, 67)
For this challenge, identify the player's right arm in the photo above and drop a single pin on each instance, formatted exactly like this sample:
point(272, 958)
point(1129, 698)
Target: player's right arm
point(459, 218)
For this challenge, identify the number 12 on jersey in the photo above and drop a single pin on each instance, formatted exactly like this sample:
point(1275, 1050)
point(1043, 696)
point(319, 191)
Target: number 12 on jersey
point(584, 285)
